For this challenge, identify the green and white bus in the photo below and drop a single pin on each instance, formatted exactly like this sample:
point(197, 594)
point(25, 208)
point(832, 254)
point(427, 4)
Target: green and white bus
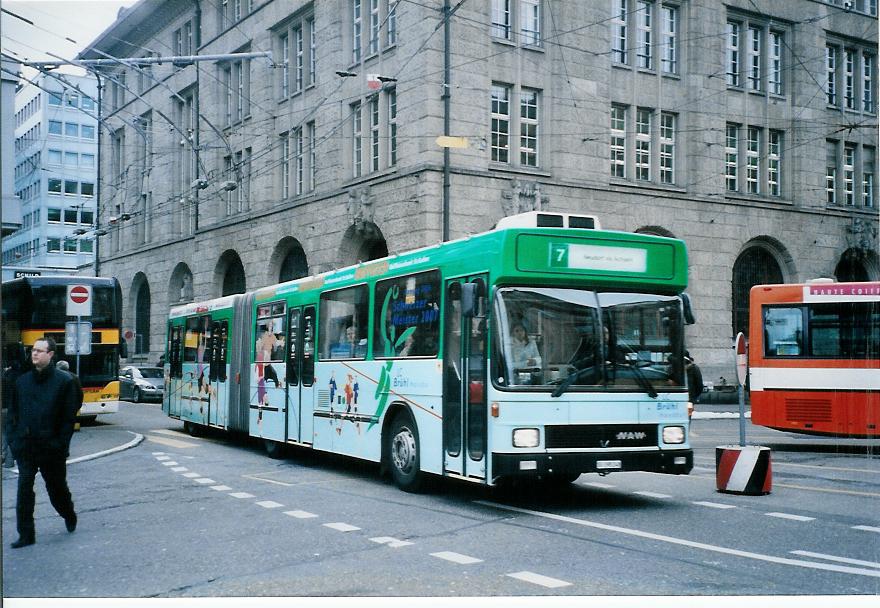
point(544, 348)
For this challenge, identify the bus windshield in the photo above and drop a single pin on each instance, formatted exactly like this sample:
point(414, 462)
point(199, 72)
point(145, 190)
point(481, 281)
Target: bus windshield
point(573, 339)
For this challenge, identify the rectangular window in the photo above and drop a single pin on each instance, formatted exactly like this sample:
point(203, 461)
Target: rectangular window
point(774, 162)
point(528, 128)
point(54, 127)
point(618, 141)
point(754, 59)
point(831, 75)
point(849, 79)
point(70, 216)
point(356, 25)
point(733, 54)
point(313, 55)
point(53, 245)
point(299, 165)
point(667, 148)
point(285, 65)
point(88, 103)
point(271, 332)
point(753, 160)
point(54, 157)
point(731, 158)
point(285, 165)
point(392, 22)
point(501, 19)
point(87, 189)
point(86, 246)
point(618, 36)
point(69, 245)
point(868, 162)
point(374, 26)
point(643, 144)
point(53, 215)
point(774, 77)
point(310, 129)
point(831, 172)
point(86, 217)
point(644, 24)
point(54, 186)
point(392, 127)
point(374, 133)
point(849, 172)
point(87, 132)
point(500, 123)
point(357, 139)
point(343, 323)
point(670, 33)
point(868, 82)
point(407, 316)
point(530, 22)
point(300, 59)
point(71, 159)
point(71, 187)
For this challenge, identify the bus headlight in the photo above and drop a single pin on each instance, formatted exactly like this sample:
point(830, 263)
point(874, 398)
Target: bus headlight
point(526, 438)
point(673, 434)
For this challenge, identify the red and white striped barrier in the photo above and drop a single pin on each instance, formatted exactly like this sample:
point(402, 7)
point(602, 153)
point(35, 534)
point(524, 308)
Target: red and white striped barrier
point(743, 469)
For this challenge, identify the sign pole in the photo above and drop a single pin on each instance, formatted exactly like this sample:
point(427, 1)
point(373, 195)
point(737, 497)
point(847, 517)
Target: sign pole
point(78, 326)
point(741, 369)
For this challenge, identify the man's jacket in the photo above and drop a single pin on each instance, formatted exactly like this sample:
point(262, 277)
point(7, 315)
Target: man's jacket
point(42, 413)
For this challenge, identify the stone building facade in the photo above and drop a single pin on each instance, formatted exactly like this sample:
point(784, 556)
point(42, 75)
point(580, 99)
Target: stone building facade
point(746, 128)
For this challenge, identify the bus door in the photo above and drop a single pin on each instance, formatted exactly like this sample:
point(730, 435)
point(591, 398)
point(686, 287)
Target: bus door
point(268, 393)
point(300, 373)
point(174, 370)
point(464, 378)
point(218, 375)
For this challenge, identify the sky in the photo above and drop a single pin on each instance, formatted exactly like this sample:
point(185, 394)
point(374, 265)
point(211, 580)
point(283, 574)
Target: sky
point(61, 27)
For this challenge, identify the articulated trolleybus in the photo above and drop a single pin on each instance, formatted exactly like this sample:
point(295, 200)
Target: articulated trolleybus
point(544, 348)
point(814, 357)
point(34, 307)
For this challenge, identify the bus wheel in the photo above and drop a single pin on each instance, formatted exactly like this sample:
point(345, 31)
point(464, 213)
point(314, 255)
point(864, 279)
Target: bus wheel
point(274, 449)
point(403, 454)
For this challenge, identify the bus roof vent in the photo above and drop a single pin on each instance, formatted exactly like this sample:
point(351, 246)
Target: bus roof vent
point(819, 281)
point(540, 219)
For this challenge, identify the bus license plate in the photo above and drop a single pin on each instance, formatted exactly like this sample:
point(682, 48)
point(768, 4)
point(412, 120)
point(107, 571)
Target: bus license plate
point(608, 464)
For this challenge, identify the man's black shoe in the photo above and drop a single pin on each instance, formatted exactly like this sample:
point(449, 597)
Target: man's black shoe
point(70, 522)
point(23, 542)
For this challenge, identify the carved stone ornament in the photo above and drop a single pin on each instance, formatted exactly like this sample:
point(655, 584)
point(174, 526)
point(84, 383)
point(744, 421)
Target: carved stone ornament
point(523, 196)
point(361, 209)
point(862, 235)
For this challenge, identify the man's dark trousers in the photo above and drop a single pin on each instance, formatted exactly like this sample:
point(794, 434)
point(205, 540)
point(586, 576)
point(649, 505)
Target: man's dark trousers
point(54, 470)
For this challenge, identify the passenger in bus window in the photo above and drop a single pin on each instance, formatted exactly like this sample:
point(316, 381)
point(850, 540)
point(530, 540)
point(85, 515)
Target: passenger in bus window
point(523, 348)
point(349, 345)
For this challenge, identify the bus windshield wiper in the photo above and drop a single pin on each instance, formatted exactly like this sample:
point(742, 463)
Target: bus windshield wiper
point(563, 386)
point(639, 375)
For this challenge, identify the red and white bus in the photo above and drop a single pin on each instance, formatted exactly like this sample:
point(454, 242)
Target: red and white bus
point(814, 357)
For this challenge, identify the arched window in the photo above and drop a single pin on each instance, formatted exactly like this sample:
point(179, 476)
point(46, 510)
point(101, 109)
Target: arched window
point(142, 319)
point(294, 266)
point(233, 279)
point(755, 266)
point(850, 268)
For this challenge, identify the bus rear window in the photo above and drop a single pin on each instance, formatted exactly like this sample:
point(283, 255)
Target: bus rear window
point(783, 332)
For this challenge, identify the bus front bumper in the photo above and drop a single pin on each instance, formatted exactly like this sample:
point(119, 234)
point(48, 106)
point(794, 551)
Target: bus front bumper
point(675, 462)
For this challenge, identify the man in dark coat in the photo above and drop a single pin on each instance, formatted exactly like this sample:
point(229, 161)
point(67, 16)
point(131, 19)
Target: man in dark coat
point(39, 427)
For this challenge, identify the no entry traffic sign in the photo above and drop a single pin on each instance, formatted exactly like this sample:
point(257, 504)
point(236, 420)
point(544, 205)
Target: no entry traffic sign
point(79, 301)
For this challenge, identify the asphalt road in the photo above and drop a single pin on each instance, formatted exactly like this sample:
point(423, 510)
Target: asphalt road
point(175, 516)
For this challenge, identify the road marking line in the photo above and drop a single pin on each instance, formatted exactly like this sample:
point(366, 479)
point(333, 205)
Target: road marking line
point(342, 527)
point(170, 463)
point(790, 516)
point(171, 432)
point(174, 443)
point(192, 475)
point(204, 480)
point(829, 490)
point(834, 558)
point(221, 488)
point(866, 528)
point(269, 504)
point(597, 484)
point(652, 494)
point(539, 579)
point(163, 457)
point(778, 463)
point(686, 543)
point(714, 505)
point(179, 469)
point(241, 495)
point(458, 558)
point(300, 514)
point(280, 483)
point(392, 542)
point(158, 453)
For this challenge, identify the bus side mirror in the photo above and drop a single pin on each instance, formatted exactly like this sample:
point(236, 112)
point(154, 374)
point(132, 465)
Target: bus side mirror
point(687, 309)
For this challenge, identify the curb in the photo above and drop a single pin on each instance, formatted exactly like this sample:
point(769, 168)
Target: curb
point(717, 415)
point(137, 439)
